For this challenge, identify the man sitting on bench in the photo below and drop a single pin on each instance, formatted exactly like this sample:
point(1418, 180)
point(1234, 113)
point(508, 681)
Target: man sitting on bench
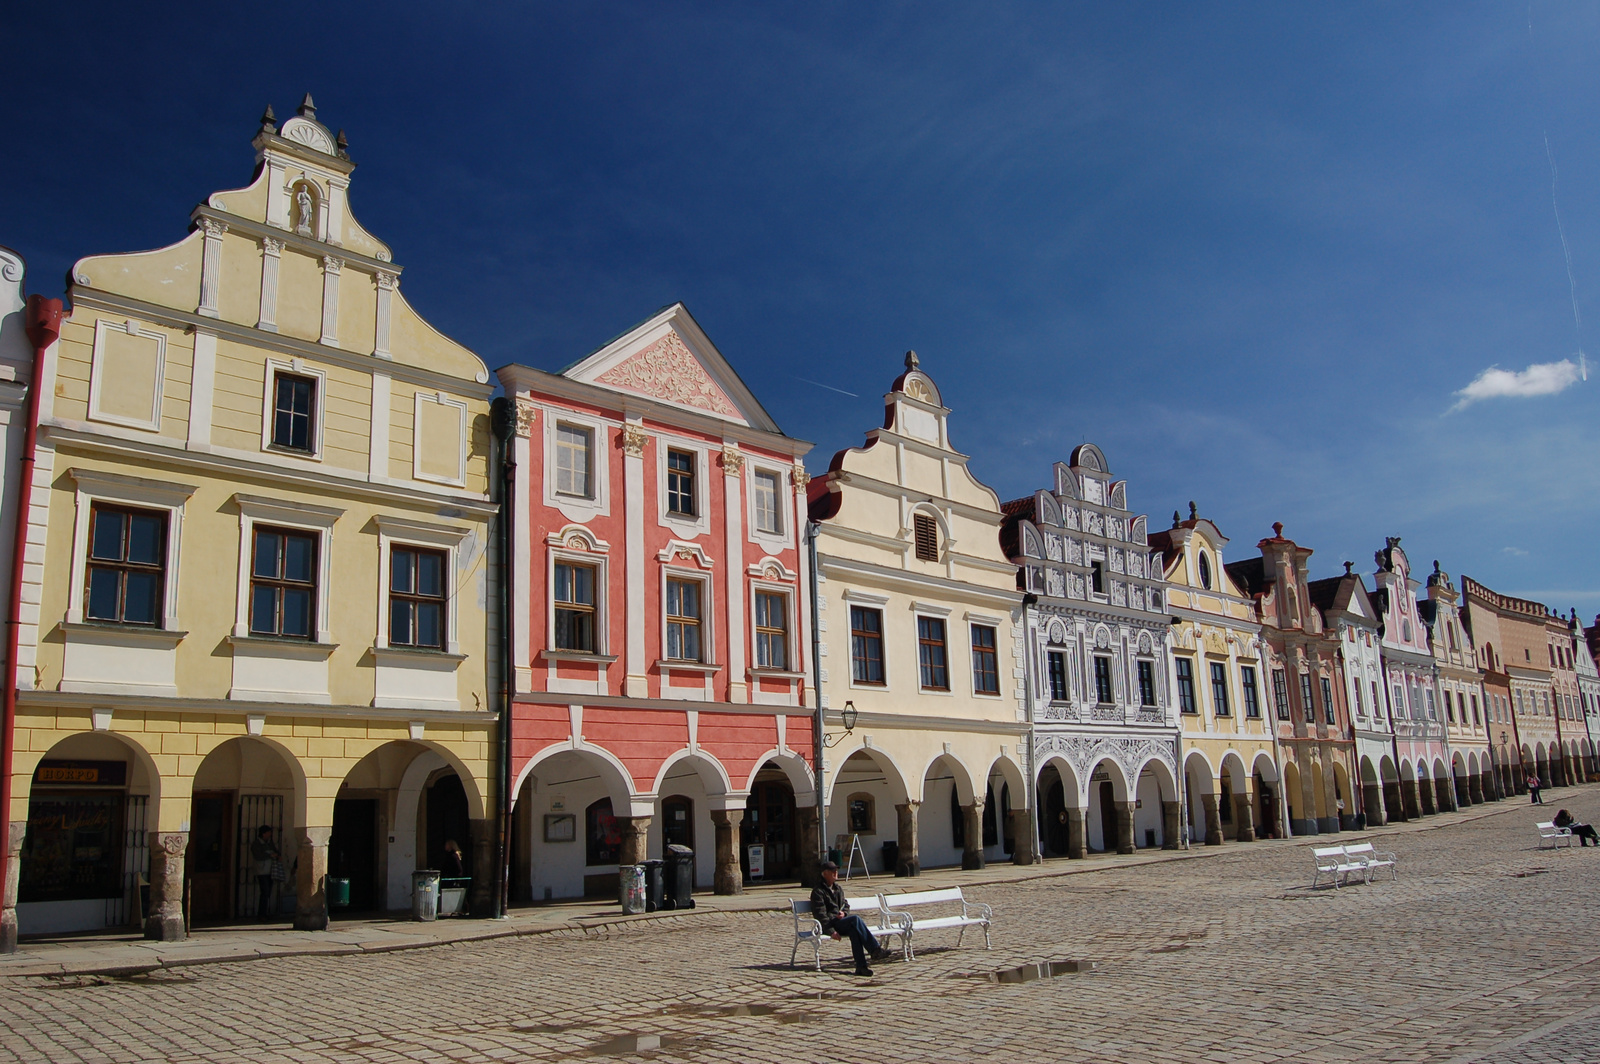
point(833, 913)
point(1585, 832)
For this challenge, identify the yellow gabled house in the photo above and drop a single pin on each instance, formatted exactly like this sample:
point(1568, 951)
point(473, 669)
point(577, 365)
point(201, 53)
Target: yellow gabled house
point(257, 602)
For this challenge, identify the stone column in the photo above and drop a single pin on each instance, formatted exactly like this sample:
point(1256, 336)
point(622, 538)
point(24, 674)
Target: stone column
point(1077, 834)
point(165, 923)
point(482, 834)
point(1171, 825)
point(728, 879)
point(310, 890)
point(908, 863)
point(635, 839)
point(972, 835)
point(16, 831)
point(1519, 778)
point(1410, 799)
point(1024, 839)
point(1464, 791)
point(1244, 816)
point(1482, 787)
point(1372, 802)
point(808, 820)
point(1124, 812)
point(1447, 794)
point(1213, 814)
point(1425, 791)
point(1393, 804)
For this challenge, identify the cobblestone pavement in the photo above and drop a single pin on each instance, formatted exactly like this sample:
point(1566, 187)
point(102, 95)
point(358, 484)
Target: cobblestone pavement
point(1483, 951)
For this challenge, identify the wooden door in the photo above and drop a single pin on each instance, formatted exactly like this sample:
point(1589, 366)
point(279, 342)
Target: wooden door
point(211, 859)
point(769, 822)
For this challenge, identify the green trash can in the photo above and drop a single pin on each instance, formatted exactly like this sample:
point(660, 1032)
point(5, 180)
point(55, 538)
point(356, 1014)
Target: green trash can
point(338, 891)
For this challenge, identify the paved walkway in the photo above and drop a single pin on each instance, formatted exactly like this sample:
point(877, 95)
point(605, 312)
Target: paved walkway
point(1484, 950)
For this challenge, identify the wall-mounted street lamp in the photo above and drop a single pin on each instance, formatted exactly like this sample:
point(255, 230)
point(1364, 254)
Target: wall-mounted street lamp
point(849, 716)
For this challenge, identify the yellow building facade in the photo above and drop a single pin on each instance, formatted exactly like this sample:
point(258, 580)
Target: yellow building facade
point(259, 583)
point(1230, 758)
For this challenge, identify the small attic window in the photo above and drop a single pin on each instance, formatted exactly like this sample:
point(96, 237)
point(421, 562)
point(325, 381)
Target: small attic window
point(927, 537)
point(1205, 571)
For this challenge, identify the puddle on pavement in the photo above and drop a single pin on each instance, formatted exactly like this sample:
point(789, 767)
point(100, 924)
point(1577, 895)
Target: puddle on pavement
point(1031, 973)
point(625, 1044)
point(735, 1011)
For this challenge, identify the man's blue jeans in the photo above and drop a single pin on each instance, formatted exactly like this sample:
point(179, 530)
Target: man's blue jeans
point(862, 941)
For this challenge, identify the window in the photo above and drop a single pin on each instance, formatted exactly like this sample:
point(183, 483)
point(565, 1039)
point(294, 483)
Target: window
point(283, 583)
point(574, 461)
point(985, 663)
point(1280, 693)
point(294, 400)
point(1102, 680)
point(931, 655)
point(126, 571)
point(769, 512)
point(1450, 708)
point(927, 537)
point(1377, 703)
point(1355, 691)
point(683, 621)
point(416, 597)
point(1252, 699)
point(1399, 708)
point(862, 820)
point(866, 645)
point(1205, 571)
point(1327, 702)
point(1219, 688)
point(1307, 703)
point(574, 607)
point(1475, 718)
point(1186, 698)
point(1147, 683)
point(772, 630)
point(680, 483)
point(1097, 577)
point(1058, 675)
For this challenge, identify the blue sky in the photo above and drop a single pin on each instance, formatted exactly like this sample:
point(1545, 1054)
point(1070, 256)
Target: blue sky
point(1258, 253)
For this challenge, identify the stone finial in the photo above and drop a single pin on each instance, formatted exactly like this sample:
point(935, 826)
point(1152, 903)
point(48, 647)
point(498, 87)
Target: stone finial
point(1176, 519)
point(1194, 512)
point(342, 144)
point(269, 120)
point(1348, 566)
point(912, 361)
point(308, 108)
point(1277, 529)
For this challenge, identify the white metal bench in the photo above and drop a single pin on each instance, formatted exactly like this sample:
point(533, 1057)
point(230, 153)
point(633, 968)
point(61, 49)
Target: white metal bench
point(1333, 862)
point(1548, 832)
point(1375, 859)
point(897, 907)
point(808, 929)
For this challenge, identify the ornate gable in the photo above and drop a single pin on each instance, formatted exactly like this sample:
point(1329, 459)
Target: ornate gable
point(668, 370)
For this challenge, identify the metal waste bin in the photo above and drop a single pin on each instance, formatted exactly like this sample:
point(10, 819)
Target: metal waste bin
point(655, 885)
point(338, 891)
point(680, 878)
point(425, 894)
point(630, 888)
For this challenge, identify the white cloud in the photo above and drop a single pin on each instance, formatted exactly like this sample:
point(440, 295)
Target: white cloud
point(1515, 552)
point(1541, 378)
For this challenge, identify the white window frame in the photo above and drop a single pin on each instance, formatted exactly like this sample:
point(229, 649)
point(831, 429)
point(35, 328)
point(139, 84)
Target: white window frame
point(708, 612)
point(991, 622)
point(118, 490)
point(932, 612)
point(682, 524)
point(867, 601)
point(779, 491)
point(302, 517)
point(96, 376)
point(595, 558)
point(393, 531)
point(441, 399)
point(791, 646)
point(298, 368)
point(577, 508)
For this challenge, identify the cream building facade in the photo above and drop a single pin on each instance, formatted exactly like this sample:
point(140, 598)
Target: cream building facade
point(257, 582)
point(918, 625)
point(1461, 692)
point(1229, 749)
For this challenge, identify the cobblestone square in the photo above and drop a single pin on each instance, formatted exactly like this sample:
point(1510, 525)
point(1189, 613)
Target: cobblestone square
point(1484, 950)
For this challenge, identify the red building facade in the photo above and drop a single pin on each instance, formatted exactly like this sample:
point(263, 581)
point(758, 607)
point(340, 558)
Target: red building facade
point(661, 638)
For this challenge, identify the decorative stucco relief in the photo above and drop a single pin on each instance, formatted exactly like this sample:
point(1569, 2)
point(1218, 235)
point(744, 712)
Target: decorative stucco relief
point(1083, 752)
point(668, 370)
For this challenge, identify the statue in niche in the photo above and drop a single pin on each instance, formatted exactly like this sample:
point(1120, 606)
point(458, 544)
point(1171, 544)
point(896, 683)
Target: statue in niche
point(305, 208)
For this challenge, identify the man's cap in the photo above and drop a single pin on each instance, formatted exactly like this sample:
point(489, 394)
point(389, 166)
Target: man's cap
point(830, 866)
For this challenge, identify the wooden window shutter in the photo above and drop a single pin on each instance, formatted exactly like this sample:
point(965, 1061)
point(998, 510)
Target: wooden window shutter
point(927, 536)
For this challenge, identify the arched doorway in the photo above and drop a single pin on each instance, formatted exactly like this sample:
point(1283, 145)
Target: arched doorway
point(1299, 823)
point(1008, 787)
point(1344, 799)
point(865, 794)
point(942, 824)
point(1061, 823)
point(1203, 801)
point(242, 786)
point(1267, 811)
point(1110, 825)
point(1155, 795)
point(572, 806)
point(771, 821)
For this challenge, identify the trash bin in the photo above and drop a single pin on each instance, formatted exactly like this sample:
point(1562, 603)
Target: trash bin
point(835, 855)
point(680, 878)
point(630, 885)
point(655, 885)
point(338, 891)
point(891, 856)
point(425, 894)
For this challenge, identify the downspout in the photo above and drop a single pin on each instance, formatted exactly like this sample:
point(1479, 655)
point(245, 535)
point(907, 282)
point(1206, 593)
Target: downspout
point(1029, 600)
point(816, 687)
point(43, 327)
point(505, 423)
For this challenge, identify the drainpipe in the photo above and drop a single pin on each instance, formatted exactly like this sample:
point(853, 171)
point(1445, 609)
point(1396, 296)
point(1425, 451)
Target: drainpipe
point(1028, 600)
point(812, 528)
point(43, 327)
point(504, 420)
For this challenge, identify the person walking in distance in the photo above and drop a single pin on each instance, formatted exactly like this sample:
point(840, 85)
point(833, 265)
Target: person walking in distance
point(264, 852)
point(1533, 789)
point(831, 910)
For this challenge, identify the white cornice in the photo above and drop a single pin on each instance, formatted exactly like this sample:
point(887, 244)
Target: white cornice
point(310, 245)
point(914, 583)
